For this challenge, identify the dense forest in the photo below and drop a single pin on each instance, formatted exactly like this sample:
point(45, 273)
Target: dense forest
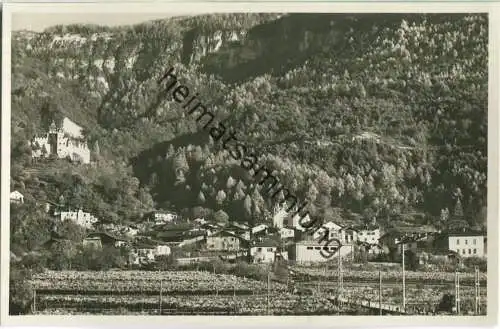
point(370, 118)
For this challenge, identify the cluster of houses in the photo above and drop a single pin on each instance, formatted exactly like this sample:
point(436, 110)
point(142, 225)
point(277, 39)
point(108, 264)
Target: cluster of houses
point(268, 243)
point(160, 231)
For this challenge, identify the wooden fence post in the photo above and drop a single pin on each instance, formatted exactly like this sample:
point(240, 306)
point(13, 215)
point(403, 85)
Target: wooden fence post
point(161, 296)
point(34, 301)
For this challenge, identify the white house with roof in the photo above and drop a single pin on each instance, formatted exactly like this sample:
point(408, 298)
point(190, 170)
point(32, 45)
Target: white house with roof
point(279, 216)
point(245, 235)
point(223, 241)
point(266, 252)
point(128, 230)
point(162, 250)
point(147, 252)
point(467, 243)
point(261, 228)
point(331, 227)
point(142, 254)
point(16, 197)
point(369, 236)
point(311, 251)
point(161, 217)
point(346, 235)
point(287, 233)
point(79, 217)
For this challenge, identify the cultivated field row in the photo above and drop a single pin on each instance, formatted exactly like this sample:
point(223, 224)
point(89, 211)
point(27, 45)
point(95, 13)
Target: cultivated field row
point(306, 274)
point(243, 305)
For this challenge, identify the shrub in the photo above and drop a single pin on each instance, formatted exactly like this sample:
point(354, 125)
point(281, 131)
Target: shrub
point(471, 262)
point(447, 303)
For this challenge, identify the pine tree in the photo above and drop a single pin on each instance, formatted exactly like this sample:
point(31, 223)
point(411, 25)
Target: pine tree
point(445, 215)
point(198, 154)
point(170, 152)
point(153, 180)
point(361, 91)
point(324, 182)
point(180, 162)
point(240, 185)
point(230, 182)
point(96, 148)
point(458, 212)
point(257, 198)
point(201, 198)
point(221, 196)
point(238, 194)
point(312, 194)
point(247, 206)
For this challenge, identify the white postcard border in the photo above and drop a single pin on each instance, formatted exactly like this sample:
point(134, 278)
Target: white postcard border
point(220, 7)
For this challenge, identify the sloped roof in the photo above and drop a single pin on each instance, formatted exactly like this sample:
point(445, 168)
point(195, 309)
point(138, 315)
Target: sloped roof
point(466, 232)
point(52, 240)
point(105, 234)
point(71, 128)
point(259, 228)
point(410, 230)
point(146, 240)
point(228, 233)
point(266, 243)
point(140, 245)
point(239, 225)
point(315, 243)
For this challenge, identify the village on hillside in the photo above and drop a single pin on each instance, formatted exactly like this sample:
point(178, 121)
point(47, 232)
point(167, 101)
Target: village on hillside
point(161, 230)
point(282, 237)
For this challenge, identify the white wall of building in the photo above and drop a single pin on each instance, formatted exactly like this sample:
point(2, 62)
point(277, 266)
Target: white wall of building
point(259, 228)
point(163, 250)
point(79, 217)
point(16, 197)
point(306, 253)
point(279, 216)
point(467, 246)
point(369, 236)
point(286, 233)
point(76, 150)
point(346, 236)
point(263, 254)
point(161, 217)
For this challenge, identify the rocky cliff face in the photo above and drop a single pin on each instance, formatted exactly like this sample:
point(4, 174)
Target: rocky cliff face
point(197, 45)
point(279, 45)
point(106, 59)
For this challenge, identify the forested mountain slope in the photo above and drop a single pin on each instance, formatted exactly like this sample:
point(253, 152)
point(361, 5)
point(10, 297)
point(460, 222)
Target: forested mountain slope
point(368, 117)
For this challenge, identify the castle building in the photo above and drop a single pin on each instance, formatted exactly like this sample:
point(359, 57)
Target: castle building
point(62, 144)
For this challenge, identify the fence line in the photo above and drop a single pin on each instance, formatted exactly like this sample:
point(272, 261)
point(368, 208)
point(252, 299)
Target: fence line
point(342, 297)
